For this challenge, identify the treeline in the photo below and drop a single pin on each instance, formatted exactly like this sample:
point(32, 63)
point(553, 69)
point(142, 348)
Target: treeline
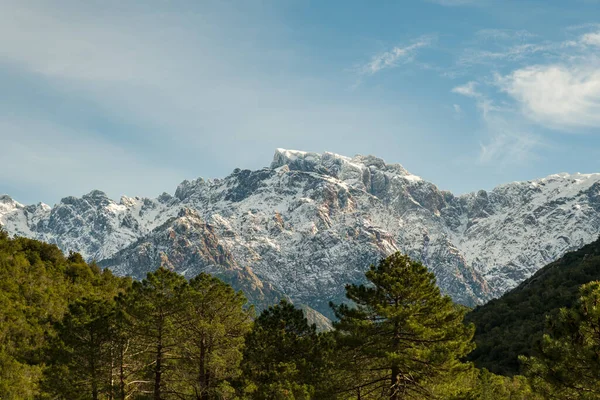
point(514, 324)
point(71, 331)
point(37, 285)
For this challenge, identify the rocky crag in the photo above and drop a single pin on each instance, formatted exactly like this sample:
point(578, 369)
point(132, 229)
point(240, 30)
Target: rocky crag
point(310, 223)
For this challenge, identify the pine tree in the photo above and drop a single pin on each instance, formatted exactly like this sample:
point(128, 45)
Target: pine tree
point(211, 338)
point(285, 357)
point(81, 353)
point(152, 309)
point(399, 334)
point(568, 365)
point(126, 360)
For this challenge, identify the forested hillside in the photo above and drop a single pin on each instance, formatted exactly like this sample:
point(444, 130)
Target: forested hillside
point(513, 325)
point(71, 331)
point(38, 284)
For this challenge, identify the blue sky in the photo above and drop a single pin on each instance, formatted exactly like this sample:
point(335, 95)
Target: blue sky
point(133, 97)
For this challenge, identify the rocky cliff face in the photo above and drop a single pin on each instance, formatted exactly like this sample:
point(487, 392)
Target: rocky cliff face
point(310, 223)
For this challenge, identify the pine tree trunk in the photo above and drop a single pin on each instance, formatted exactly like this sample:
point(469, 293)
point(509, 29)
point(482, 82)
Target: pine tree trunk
point(158, 366)
point(93, 368)
point(203, 373)
point(394, 393)
point(122, 370)
point(122, 379)
point(111, 394)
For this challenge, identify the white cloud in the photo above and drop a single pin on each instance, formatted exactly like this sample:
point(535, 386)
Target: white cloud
point(508, 143)
point(592, 38)
point(395, 56)
point(554, 84)
point(557, 96)
point(468, 89)
point(457, 108)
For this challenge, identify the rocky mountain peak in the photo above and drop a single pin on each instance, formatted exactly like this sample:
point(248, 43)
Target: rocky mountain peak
point(311, 222)
point(5, 199)
point(334, 165)
point(186, 188)
point(7, 204)
point(97, 197)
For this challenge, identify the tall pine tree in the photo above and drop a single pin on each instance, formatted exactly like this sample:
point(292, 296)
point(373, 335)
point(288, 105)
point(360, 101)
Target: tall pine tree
point(81, 354)
point(285, 358)
point(153, 310)
point(211, 338)
point(399, 334)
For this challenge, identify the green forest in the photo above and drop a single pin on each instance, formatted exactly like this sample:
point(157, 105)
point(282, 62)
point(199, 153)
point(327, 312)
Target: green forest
point(70, 330)
point(514, 324)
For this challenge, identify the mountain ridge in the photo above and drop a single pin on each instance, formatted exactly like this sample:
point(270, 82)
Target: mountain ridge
point(310, 223)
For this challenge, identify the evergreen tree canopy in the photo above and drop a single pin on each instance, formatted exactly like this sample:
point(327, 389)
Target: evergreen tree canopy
point(211, 338)
point(37, 284)
point(81, 357)
point(153, 310)
point(514, 324)
point(285, 357)
point(568, 365)
point(71, 331)
point(400, 333)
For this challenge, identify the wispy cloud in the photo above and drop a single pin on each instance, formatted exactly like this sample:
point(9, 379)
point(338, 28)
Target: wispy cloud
point(507, 141)
point(396, 56)
point(468, 89)
point(503, 35)
point(504, 48)
point(509, 54)
point(509, 148)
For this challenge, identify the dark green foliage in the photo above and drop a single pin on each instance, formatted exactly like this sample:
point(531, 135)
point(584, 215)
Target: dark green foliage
point(37, 283)
point(285, 357)
point(81, 356)
point(514, 324)
point(568, 365)
point(152, 310)
point(180, 340)
point(211, 337)
point(400, 335)
point(71, 331)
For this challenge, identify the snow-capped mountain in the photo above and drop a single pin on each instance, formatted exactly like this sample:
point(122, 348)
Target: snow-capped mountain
point(310, 223)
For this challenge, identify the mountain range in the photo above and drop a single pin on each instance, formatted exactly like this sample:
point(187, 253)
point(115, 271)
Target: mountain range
point(310, 223)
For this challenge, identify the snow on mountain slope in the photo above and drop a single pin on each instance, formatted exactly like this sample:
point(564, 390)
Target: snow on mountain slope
point(310, 223)
point(516, 228)
point(19, 219)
